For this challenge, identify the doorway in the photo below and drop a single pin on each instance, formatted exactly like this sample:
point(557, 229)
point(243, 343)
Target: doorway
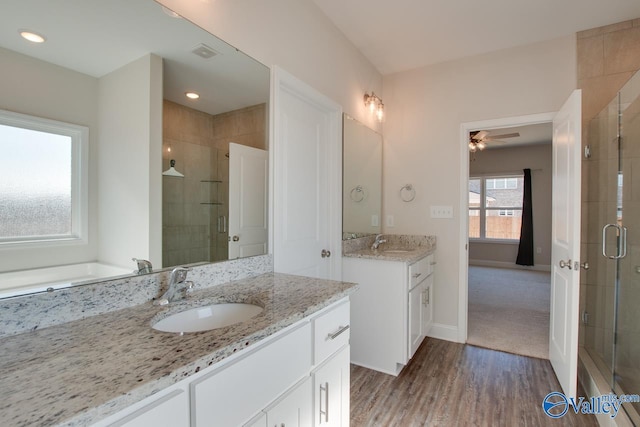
point(505, 250)
point(509, 286)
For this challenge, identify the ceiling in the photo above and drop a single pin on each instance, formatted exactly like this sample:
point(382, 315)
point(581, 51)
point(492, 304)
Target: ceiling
point(405, 34)
point(96, 37)
point(529, 135)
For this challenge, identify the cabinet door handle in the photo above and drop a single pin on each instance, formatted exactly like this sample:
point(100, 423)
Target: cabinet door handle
point(324, 387)
point(340, 330)
point(416, 275)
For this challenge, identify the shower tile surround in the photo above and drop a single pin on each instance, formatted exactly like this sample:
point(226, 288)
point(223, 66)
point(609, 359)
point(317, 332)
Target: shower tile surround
point(136, 361)
point(607, 57)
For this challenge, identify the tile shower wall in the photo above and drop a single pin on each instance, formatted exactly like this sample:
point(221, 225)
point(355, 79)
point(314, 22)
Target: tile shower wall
point(195, 208)
point(607, 58)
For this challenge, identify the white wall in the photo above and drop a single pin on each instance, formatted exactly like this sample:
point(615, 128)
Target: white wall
point(130, 111)
point(297, 36)
point(514, 159)
point(425, 108)
point(38, 88)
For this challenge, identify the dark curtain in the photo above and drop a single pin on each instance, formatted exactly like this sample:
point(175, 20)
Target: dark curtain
point(525, 249)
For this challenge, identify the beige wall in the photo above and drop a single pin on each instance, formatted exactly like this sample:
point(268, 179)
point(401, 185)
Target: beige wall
point(513, 159)
point(425, 109)
point(38, 88)
point(297, 36)
point(130, 113)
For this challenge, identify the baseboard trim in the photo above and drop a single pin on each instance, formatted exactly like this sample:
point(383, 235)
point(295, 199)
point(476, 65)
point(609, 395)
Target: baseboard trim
point(444, 332)
point(502, 264)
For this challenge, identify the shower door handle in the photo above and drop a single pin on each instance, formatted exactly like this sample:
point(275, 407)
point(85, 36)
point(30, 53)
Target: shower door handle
point(622, 241)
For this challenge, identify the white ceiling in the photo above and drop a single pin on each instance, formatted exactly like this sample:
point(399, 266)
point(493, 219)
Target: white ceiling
point(405, 34)
point(96, 37)
point(529, 135)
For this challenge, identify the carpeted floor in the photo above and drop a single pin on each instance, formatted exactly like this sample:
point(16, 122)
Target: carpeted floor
point(509, 310)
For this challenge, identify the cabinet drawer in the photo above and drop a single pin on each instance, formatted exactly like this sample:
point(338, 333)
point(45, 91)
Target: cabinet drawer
point(331, 331)
point(232, 394)
point(418, 271)
point(170, 410)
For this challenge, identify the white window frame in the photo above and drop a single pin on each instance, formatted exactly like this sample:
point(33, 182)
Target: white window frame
point(482, 209)
point(79, 179)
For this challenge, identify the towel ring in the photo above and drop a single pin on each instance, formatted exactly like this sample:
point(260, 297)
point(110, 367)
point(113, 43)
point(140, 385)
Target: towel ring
point(357, 194)
point(407, 193)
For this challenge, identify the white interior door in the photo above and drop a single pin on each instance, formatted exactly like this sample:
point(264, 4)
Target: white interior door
point(565, 251)
point(248, 178)
point(307, 180)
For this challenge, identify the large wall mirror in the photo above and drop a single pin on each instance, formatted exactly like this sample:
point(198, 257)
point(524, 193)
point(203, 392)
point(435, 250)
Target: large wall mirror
point(165, 177)
point(362, 180)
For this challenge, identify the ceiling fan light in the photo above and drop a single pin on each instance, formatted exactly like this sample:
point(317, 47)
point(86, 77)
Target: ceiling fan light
point(481, 145)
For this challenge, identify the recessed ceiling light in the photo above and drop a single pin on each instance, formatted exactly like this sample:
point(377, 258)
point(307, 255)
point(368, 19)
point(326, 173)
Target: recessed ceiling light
point(192, 95)
point(31, 36)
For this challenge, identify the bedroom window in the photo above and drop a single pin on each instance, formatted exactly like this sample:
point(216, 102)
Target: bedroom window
point(43, 196)
point(495, 207)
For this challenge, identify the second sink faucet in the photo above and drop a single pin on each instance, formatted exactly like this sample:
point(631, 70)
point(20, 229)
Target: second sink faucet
point(177, 278)
point(144, 266)
point(378, 242)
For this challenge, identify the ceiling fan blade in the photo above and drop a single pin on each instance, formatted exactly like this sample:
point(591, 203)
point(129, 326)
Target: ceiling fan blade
point(506, 135)
point(491, 141)
point(479, 136)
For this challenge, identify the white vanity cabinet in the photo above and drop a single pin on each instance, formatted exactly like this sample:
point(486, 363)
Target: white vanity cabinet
point(299, 377)
point(392, 311)
point(171, 410)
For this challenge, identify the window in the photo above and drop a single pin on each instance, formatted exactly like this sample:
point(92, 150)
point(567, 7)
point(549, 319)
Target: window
point(42, 180)
point(495, 207)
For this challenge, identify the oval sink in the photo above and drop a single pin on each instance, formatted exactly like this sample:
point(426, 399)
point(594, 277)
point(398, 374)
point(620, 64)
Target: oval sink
point(207, 318)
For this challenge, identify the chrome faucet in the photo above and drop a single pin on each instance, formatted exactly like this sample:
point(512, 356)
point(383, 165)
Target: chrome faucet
point(378, 242)
point(144, 266)
point(177, 278)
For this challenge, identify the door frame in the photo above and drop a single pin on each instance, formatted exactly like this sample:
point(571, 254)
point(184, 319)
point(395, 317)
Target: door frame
point(465, 128)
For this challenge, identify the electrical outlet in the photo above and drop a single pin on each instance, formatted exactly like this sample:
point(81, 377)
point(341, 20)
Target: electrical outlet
point(538, 250)
point(442, 212)
point(390, 221)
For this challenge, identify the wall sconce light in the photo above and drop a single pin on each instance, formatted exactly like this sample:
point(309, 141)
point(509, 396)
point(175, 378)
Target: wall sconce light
point(375, 105)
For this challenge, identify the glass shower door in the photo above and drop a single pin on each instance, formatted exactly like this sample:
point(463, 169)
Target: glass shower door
point(626, 379)
point(601, 209)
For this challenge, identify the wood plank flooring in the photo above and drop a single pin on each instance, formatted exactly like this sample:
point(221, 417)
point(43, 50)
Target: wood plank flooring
point(450, 384)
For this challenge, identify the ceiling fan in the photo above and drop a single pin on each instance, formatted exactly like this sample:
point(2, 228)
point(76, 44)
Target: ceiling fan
point(479, 139)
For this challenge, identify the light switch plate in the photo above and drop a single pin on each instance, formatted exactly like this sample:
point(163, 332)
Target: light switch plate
point(374, 221)
point(441, 211)
point(391, 222)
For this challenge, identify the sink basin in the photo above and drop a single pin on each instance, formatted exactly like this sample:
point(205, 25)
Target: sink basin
point(207, 318)
point(396, 251)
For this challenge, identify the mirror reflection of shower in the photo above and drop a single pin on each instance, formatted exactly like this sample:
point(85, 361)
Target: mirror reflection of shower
point(195, 209)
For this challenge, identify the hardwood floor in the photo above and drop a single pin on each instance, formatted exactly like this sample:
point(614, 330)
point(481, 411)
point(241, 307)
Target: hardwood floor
point(450, 384)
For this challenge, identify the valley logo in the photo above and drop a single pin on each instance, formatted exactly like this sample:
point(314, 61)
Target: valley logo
point(556, 404)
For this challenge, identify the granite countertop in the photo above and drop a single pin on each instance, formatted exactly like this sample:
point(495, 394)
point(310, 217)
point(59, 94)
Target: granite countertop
point(416, 247)
point(82, 371)
point(389, 254)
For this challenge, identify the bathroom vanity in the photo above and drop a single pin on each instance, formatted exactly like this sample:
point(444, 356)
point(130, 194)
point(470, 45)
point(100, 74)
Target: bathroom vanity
point(113, 369)
point(393, 310)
